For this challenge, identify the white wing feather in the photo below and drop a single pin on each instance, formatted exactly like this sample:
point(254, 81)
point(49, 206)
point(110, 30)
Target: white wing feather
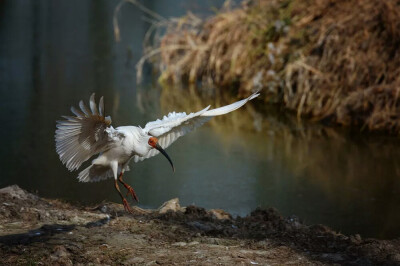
point(80, 137)
point(175, 125)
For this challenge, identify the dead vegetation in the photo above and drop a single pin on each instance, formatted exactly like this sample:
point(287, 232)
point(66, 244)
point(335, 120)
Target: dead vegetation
point(336, 61)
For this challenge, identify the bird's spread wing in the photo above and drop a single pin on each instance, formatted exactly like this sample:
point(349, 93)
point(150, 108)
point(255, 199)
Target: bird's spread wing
point(87, 133)
point(175, 125)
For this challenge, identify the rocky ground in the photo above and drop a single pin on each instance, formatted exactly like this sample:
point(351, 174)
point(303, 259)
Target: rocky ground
point(36, 231)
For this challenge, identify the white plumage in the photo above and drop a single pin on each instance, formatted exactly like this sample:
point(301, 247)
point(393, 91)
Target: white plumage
point(89, 132)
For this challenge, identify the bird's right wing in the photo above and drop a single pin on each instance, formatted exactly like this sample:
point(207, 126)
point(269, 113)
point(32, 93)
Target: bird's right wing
point(175, 125)
point(87, 133)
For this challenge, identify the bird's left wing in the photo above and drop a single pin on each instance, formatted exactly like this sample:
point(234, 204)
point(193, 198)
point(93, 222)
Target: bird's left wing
point(175, 125)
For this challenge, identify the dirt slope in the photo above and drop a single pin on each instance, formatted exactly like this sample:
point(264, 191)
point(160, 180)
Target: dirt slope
point(40, 231)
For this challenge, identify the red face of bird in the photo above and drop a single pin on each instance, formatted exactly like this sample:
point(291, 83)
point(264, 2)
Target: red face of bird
point(153, 142)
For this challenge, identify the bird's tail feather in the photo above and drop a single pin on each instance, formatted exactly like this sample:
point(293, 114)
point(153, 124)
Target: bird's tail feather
point(95, 173)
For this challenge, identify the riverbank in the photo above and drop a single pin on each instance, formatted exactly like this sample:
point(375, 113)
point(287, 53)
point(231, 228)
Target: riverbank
point(330, 61)
point(34, 230)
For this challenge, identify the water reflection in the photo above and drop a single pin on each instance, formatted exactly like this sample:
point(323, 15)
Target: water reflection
point(324, 175)
point(54, 54)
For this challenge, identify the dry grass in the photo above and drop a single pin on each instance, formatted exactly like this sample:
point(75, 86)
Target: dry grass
point(330, 60)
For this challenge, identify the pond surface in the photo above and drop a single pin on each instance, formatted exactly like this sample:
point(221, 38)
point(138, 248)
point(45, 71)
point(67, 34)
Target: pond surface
point(53, 54)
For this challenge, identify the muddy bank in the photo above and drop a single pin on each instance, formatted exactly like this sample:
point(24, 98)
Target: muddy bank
point(34, 230)
point(332, 61)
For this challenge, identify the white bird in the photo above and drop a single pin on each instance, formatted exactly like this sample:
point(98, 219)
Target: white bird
point(89, 132)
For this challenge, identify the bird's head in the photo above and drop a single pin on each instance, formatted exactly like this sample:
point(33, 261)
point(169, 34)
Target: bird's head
point(153, 143)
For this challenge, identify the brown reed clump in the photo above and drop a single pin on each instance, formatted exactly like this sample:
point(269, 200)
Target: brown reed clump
point(330, 60)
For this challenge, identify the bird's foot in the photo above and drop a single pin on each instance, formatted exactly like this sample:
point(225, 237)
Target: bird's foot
point(126, 206)
point(131, 192)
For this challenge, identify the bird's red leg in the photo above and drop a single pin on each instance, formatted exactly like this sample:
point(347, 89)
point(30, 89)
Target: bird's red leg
point(124, 201)
point(128, 187)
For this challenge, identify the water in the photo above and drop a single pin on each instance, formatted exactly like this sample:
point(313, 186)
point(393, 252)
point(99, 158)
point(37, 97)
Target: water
point(53, 54)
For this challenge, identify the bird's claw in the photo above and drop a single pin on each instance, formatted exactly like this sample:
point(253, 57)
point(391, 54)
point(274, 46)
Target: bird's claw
point(132, 193)
point(126, 206)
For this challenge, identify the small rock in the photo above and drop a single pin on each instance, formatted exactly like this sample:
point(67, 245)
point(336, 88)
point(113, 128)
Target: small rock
point(104, 246)
point(294, 221)
point(356, 239)
point(171, 205)
point(136, 260)
point(60, 252)
point(104, 209)
point(78, 220)
point(193, 243)
point(17, 192)
point(220, 214)
point(179, 244)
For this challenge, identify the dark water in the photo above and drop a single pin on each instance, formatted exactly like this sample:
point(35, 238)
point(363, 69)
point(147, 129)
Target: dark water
point(55, 53)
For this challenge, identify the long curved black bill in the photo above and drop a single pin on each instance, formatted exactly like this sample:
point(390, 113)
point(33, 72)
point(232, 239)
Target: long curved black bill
point(158, 147)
